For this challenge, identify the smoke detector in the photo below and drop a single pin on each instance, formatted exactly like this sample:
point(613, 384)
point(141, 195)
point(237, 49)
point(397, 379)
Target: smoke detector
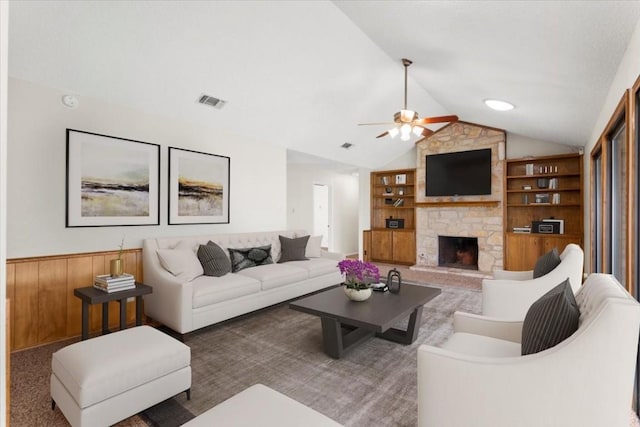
point(347, 145)
point(211, 101)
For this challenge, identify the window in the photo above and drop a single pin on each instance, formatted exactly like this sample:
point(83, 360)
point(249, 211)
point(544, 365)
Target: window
point(597, 202)
point(617, 223)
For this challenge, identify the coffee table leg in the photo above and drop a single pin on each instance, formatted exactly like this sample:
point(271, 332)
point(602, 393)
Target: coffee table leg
point(410, 335)
point(338, 339)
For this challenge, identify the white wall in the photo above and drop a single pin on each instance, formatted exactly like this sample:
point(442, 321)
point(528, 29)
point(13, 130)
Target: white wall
point(519, 146)
point(4, 55)
point(36, 173)
point(628, 72)
point(343, 193)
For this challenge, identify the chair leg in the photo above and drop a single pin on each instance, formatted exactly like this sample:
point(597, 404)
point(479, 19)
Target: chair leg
point(188, 391)
point(53, 404)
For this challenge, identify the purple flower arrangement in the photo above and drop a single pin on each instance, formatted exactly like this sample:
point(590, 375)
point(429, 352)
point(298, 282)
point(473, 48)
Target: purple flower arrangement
point(358, 274)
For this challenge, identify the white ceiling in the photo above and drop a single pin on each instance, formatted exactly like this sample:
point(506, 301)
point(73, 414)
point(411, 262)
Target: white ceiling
point(303, 74)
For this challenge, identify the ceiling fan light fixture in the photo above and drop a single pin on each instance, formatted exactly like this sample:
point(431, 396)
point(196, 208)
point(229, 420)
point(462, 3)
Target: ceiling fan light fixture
point(498, 105)
point(405, 137)
point(405, 129)
point(417, 130)
point(407, 116)
point(393, 132)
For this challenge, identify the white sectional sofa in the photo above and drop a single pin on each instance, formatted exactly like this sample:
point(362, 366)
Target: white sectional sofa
point(185, 300)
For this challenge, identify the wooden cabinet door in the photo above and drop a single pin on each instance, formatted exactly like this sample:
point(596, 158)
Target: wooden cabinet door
point(523, 250)
point(559, 241)
point(381, 245)
point(366, 245)
point(404, 247)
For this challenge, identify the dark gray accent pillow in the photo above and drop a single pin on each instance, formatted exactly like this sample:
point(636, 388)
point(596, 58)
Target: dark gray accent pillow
point(250, 257)
point(546, 263)
point(550, 320)
point(214, 260)
point(293, 249)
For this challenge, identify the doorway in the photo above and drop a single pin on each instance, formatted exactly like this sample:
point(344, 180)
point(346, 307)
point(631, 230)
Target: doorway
point(321, 213)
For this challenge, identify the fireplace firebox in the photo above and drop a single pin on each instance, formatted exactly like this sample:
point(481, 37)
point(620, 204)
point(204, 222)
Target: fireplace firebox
point(458, 252)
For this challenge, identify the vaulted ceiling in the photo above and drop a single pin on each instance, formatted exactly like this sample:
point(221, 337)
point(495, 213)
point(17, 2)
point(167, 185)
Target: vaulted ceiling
point(303, 74)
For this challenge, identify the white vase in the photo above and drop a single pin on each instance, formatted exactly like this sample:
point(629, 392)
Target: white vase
point(357, 294)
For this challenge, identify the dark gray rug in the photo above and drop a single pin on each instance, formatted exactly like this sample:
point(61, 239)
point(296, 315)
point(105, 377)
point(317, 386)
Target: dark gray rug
point(374, 384)
point(166, 414)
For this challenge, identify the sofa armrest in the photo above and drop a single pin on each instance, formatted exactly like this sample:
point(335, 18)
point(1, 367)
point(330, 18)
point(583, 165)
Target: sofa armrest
point(512, 275)
point(509, 330)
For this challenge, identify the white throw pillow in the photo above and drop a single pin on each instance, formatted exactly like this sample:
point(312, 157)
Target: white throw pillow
point(313, 247)
point(181, 261)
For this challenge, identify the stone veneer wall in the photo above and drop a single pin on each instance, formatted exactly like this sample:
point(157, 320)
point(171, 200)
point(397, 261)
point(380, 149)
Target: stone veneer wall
point(483, 222)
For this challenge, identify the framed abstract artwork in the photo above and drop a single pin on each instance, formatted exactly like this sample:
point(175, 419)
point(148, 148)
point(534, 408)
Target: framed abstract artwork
point(111, 181)
point(198, 187)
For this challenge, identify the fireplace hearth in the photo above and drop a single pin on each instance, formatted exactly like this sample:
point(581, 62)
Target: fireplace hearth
point(458, 252)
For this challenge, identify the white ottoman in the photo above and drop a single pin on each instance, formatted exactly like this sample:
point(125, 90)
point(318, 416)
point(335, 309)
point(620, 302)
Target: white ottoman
point(261, 406)
point(101, 381)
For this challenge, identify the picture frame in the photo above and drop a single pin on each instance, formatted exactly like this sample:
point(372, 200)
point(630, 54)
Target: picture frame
point(401, 178)
point(111, 181)
point(199, 187)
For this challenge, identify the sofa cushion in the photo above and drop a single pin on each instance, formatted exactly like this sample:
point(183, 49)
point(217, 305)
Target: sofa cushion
point(293, 249)
point(250, 257)
point(313, 249)
point(480, 345)
point(209, 290)
point(317, 266)
point(550, 320)
point(546, 263)
point(181, 261)
point(214, 260)
point(276, 275)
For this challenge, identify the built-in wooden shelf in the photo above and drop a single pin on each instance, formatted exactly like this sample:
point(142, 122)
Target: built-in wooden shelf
point(460, 203)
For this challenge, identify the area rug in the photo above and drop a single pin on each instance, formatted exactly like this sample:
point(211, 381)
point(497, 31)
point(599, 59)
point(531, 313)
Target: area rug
point(374, 384)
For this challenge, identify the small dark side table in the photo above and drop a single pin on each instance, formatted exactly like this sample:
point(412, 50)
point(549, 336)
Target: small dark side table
point(91, 295)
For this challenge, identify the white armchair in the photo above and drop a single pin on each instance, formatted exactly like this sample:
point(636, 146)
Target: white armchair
point(478, 377)
point(510, 293)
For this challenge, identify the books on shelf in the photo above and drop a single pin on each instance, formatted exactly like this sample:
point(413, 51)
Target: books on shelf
point(525, 229)
point(109, 284)
point(398, 203)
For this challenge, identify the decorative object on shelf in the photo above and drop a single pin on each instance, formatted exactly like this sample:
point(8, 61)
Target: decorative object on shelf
point(111, 181)
point(542, 182)
point(401, 178)
point(525, 199)
point(385, 180)
point(394, 281)
point(358, 277)
point(555, 198)
point(528, 169)
point(116, 267)
point(198, 187)
point(542, 198)
point(388, 191)
point(394, 223)
point(400, 191)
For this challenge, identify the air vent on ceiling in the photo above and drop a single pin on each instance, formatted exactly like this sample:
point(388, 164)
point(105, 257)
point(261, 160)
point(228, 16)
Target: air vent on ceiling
point(347, 145)
point(211, 101)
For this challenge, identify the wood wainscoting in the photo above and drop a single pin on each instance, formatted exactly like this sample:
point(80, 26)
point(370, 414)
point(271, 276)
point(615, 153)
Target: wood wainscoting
point(43, 307)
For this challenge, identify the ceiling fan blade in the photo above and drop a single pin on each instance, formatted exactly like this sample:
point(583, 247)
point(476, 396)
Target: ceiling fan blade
point(380, 123)
point(439, 119)
point(385, 133)
point(427, 132)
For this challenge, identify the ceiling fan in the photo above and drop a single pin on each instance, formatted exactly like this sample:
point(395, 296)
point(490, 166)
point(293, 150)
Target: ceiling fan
point(406, 121)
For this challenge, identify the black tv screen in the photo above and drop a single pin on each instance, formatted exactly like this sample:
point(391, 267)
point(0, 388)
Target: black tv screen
point(466, 173)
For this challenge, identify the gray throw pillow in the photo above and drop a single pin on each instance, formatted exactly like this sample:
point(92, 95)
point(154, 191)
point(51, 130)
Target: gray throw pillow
point(293, 249)
point(250, 257)
point(214, 260)
point(550, 320)
point(546, 263)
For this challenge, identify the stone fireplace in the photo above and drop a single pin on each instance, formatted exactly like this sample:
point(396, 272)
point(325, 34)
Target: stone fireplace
point(468, 217)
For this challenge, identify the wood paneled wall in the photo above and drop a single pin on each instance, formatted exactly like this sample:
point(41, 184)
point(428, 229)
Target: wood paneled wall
point(43, 307)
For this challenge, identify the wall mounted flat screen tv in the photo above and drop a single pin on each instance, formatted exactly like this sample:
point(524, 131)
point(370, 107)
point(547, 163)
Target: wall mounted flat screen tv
point(465, 173)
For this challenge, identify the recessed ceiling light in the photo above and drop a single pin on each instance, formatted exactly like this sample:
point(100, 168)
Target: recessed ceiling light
point(498, 105)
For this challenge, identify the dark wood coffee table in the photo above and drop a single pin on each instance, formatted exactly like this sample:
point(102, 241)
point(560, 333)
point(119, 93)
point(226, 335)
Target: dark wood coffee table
point(347, 323)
